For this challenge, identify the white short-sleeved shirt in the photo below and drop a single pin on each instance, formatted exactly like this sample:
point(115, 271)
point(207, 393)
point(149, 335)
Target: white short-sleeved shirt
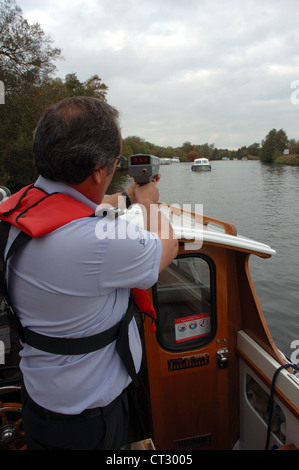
point(75, 282)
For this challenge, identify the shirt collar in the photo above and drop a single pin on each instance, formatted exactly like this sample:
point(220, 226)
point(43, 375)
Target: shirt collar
point(58, 187)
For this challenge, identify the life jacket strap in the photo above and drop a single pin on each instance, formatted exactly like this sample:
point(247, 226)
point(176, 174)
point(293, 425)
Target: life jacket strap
point(64, 346)
point(86, 345)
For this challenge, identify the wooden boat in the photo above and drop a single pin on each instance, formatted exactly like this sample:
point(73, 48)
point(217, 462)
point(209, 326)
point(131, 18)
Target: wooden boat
point(201, 164)
point(209, 368)
point(212, 376)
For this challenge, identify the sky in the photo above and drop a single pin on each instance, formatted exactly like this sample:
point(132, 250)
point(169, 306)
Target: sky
point(222, 72)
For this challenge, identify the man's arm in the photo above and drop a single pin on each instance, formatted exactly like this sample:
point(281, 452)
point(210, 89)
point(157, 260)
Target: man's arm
point(147, 196)
point(154, 221)
point(117, 199)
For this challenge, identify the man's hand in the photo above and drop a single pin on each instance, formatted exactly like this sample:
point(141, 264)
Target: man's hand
point(147, 196)
point(148, 191)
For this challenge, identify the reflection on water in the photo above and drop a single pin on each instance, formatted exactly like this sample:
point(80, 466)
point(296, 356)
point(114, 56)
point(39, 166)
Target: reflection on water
point(263, 202)
point(121, 180)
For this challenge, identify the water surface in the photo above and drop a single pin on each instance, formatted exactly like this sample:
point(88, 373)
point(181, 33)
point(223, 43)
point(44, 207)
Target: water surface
point(263, 202)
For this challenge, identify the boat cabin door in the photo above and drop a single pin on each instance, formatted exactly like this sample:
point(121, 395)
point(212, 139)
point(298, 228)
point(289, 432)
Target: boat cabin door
point(187, 358)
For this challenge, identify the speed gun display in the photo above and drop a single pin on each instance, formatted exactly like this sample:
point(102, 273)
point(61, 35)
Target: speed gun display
point(143, 168)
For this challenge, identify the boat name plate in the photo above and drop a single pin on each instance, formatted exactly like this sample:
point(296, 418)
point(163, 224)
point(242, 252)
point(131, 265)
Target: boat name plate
point(189, 362)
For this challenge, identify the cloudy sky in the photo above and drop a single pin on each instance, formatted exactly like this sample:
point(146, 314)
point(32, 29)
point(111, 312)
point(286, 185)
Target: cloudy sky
point(215, 71)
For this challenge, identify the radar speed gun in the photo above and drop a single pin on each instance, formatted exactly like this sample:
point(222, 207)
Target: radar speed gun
point(143, 168)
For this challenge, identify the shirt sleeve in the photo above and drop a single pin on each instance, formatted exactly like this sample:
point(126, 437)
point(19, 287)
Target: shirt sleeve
point(131, 256)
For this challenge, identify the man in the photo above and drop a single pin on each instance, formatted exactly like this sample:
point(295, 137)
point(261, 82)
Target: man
point(71, 283)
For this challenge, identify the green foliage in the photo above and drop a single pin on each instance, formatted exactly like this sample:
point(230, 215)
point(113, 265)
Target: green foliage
point(292, 160)
point(191, 156)
point(25, 50)
point(133, 145)
point(293, 147)
point(92, 87)
point(26, 65)
point(273, 145)
point(18, 162)
point(21, 112)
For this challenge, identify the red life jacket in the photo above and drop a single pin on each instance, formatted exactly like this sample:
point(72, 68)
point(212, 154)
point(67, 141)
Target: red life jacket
point(36, 213)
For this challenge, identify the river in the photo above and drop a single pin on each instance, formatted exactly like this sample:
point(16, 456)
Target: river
point(263, 202)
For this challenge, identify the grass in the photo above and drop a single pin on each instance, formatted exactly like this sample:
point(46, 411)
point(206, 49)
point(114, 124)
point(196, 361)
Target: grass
point(292, 160)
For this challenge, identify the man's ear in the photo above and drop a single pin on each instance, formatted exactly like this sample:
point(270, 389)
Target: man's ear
point(98, 175)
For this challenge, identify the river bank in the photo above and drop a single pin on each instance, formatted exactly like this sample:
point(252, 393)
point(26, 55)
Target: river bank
point(292, 160)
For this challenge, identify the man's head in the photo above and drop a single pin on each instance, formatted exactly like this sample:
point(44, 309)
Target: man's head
point(74, 138)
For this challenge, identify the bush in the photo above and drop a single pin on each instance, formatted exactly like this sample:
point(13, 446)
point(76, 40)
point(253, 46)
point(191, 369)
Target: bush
point(18, 162)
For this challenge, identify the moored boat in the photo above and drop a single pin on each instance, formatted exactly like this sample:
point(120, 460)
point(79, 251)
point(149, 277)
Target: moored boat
point(201, 164)
point(165, 161)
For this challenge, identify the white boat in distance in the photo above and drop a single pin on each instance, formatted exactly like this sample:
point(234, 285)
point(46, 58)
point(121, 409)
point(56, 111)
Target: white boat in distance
point(165, 161)
point(201, 164)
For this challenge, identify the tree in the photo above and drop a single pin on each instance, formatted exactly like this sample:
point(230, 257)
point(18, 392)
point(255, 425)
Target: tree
point(282, 140)
point(73, 86)
point(294, 147)
point(274, 143)
point(187, 147)
point(19, 162)
point(26, 59)
point(25, 50)
point(205, 150)
point(254, 149)
point(191, 156)
point(26, 65)
point(94, 87)
point(23, 108)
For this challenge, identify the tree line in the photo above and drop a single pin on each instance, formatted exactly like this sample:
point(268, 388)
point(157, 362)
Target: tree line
point(27, 67)
point(269, 150)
